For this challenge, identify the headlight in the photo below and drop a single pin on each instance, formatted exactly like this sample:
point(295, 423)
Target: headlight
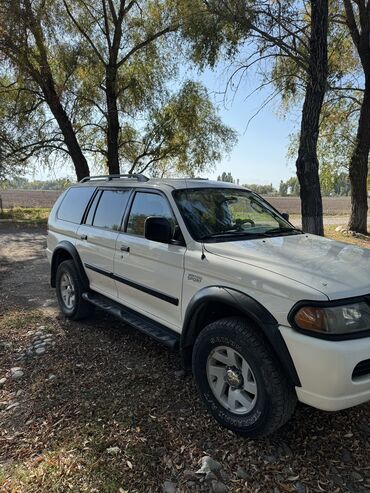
point(340, 319)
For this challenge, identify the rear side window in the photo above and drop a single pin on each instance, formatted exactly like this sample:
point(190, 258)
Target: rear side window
point(90, 214)
point(111, 207)
point(148, 204)
point(74, 204)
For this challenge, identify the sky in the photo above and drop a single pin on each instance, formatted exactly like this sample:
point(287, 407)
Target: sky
point(260, 154)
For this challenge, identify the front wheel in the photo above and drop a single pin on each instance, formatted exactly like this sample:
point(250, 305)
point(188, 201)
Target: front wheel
point(69, 292)
point(240, 380)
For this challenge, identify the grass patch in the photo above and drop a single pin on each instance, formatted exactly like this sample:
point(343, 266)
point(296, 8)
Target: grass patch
point(26, 214)
point(15, 321)
point(338, 236)
point(50, 472)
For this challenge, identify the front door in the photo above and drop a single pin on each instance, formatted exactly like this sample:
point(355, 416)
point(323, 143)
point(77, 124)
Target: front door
point(149, 274)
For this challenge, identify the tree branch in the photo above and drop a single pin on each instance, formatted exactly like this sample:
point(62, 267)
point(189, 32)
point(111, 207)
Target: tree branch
point(84, 33)
point(146, 41)
point(351, 22)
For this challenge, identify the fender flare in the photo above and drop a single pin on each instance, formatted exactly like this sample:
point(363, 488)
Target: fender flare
point(252, 309)
point(66, 246)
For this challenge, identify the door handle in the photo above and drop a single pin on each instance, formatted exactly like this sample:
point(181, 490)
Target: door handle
point(83, 237)
point(125, 248)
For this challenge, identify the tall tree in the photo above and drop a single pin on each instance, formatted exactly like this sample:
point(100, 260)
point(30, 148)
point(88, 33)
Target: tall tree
point(25, 38)
point(116, 31)
point(226, 177)
point(100, 80)
point(307, 163)
point(358, 22)
point(292, 35)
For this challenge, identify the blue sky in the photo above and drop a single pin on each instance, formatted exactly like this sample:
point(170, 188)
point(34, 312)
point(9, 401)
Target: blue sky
point(260, 155)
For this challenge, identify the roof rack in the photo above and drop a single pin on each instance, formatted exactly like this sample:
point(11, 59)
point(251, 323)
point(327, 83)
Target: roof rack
point(132, 176)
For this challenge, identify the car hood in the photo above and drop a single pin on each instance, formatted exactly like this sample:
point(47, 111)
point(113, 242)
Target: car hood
point(336, 269)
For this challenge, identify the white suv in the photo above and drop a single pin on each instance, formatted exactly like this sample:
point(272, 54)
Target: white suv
point(262, 313)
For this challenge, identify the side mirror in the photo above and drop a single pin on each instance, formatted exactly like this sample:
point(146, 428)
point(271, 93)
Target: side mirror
point(158, 229)
point(285, 215)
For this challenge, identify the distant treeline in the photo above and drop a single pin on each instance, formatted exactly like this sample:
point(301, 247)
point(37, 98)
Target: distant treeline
point(25, 184)
point(335, 185)
point(332, 185)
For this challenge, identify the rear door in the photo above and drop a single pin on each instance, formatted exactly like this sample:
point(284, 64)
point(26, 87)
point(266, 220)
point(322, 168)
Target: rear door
point(96, 238)
point(148, 273)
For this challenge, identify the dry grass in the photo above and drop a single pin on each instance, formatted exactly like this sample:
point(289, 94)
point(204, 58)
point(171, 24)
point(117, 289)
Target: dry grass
point(28, 198)
point(335, 235)
point(37, 215)
point(331, 205)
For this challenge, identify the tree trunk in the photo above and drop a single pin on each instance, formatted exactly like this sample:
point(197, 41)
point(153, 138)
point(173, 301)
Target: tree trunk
point(307, 163)
point(112, 120)
point(43, 76)
point(65, 125)
point(358, 167)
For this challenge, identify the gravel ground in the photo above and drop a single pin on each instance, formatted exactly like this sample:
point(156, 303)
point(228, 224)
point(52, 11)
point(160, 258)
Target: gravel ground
point(329, 220)
point(105, 409)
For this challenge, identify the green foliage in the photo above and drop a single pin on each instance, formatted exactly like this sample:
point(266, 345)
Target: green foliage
point(334, 182)
point(37, 215)
point(162, 127)
point(262, 189)
point(184, 134)
point(283, 189)
point(226, 177)
point(162, 130)
point(289, 187)
point(213, 28)
point(23, 124)
point(339, 116)
point(19, 182)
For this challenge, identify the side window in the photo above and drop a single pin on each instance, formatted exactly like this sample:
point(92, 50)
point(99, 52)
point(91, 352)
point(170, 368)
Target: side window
point(111, 207)
point(148, 204)
point(74, 204)
point(90, 214)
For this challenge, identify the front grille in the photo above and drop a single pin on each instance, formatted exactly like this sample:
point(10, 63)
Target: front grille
point(363, 368)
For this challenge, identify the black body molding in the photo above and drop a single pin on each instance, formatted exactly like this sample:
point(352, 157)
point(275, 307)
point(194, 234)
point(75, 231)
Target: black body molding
point(63, 248)
point(248, 306)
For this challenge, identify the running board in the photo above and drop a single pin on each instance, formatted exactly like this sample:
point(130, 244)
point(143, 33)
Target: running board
point(153, 329)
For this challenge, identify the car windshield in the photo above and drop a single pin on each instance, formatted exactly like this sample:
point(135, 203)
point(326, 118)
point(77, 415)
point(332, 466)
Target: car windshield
point(219, 214)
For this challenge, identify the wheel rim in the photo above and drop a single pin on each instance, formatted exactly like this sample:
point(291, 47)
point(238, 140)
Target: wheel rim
point(231, 380)
point(67, 290)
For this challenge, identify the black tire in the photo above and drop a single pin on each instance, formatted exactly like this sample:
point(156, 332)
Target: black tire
point(80, 308)
point(275, 399)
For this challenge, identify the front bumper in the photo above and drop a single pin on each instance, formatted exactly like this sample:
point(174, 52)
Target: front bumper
point(325, 370)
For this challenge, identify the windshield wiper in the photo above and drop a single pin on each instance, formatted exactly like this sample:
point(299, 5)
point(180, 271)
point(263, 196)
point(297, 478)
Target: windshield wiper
point(283, 230)
point(265, 234)
point(232, 233)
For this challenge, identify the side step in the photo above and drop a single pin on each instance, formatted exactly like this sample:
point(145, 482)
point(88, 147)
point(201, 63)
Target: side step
point(153, 329)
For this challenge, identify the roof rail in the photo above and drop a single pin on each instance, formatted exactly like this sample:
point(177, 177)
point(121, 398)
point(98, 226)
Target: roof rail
point(133, 176)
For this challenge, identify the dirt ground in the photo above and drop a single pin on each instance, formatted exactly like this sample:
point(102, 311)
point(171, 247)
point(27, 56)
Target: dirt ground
point(105, 409)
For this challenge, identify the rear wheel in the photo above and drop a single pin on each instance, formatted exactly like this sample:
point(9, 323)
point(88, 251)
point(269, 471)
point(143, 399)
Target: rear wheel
point(240, 380)
point(69, 292)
